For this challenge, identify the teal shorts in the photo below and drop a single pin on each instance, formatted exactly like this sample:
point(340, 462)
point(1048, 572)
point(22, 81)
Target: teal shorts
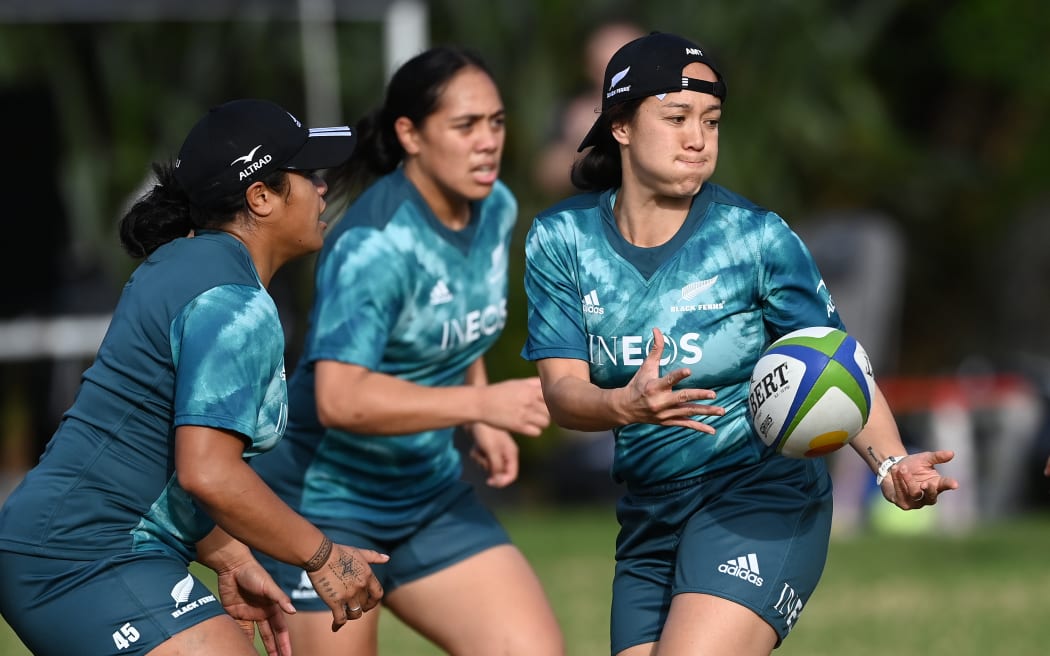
point(756, 535)
point(453, 526)
point(126, 604)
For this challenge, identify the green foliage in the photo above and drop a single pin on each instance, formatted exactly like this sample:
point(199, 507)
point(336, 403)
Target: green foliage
point(931, 112)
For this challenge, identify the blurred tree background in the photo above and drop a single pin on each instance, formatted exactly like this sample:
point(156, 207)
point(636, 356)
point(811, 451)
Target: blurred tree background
point(929, 111)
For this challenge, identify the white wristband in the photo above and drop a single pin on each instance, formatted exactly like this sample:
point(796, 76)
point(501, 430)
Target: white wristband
point(884, 468)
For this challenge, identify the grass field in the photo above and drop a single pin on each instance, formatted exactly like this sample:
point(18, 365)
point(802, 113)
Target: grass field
point(986, 594)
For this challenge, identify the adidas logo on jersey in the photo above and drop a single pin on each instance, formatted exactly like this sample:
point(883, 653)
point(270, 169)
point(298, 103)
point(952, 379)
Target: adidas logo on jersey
point(743, 567)
point(440, 294)
point(591, 304)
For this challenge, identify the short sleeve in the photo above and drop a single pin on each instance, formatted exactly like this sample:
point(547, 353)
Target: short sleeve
point(794, 294)
point(555, 315)
point(228, 348)
point(360, 290)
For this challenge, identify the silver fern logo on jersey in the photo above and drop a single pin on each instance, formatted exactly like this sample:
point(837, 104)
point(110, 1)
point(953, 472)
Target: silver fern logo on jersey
point(694, 289)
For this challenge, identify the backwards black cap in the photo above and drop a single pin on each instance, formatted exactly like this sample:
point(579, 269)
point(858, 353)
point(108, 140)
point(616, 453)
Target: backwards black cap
point(241, 141)
point(648, 66)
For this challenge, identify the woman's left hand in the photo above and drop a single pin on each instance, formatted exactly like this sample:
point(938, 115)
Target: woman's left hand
point(914, 482)
point(252, 598)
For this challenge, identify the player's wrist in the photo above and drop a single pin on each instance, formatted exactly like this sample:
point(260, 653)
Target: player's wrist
point(883, 470)
point(617, 405)
point(320, 557)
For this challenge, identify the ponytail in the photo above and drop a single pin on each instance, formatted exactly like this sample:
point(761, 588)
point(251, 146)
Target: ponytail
point(163, 214)
point(166, 213)
point(414, 91)
point(601, 168)
point(377, 153)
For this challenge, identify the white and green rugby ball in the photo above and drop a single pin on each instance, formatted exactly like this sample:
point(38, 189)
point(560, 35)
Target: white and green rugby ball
point(811, 392)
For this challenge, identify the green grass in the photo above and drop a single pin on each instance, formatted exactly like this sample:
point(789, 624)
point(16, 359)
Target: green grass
point(985, 594)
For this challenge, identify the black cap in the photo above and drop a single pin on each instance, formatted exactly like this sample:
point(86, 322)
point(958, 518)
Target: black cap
point(648, 66)
point(240, 142)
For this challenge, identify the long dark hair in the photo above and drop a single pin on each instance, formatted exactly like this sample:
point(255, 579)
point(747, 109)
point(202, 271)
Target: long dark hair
point(601, 168)
point(414, 91)
point(165, 212)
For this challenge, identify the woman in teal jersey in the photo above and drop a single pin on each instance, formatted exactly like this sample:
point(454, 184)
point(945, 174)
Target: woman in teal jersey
point(411, 291)
point(650, 299)
point(147, 470)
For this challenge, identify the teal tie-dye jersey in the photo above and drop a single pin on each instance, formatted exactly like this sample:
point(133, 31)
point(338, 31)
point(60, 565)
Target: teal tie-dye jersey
point(399, 293)
point(733, 278)
point(195, 340)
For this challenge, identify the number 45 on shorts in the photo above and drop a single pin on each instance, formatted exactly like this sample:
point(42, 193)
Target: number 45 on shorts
point(125, 636)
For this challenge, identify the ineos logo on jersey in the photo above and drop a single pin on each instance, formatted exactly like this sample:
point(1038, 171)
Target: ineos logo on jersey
point(475, 325)
point(630, 350)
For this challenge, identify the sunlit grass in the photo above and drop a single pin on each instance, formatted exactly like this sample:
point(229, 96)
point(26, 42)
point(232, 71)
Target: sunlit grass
point(984, 594)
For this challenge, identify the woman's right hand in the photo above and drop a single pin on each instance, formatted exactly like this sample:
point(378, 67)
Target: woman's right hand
point(653, 399)
point(344, 580)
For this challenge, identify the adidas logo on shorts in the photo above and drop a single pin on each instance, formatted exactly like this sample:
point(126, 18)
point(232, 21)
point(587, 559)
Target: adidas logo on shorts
point(743, 567)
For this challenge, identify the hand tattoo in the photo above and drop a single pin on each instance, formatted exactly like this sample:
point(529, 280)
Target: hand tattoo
point(346, 566)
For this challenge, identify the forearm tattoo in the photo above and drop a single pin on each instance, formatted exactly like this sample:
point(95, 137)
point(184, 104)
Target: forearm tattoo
point(320, 556)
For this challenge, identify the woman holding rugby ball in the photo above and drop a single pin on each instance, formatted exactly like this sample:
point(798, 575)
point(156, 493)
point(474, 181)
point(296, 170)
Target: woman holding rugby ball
point(651, 297)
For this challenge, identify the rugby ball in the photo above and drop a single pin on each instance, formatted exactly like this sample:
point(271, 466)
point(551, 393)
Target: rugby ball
point(811, 392)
